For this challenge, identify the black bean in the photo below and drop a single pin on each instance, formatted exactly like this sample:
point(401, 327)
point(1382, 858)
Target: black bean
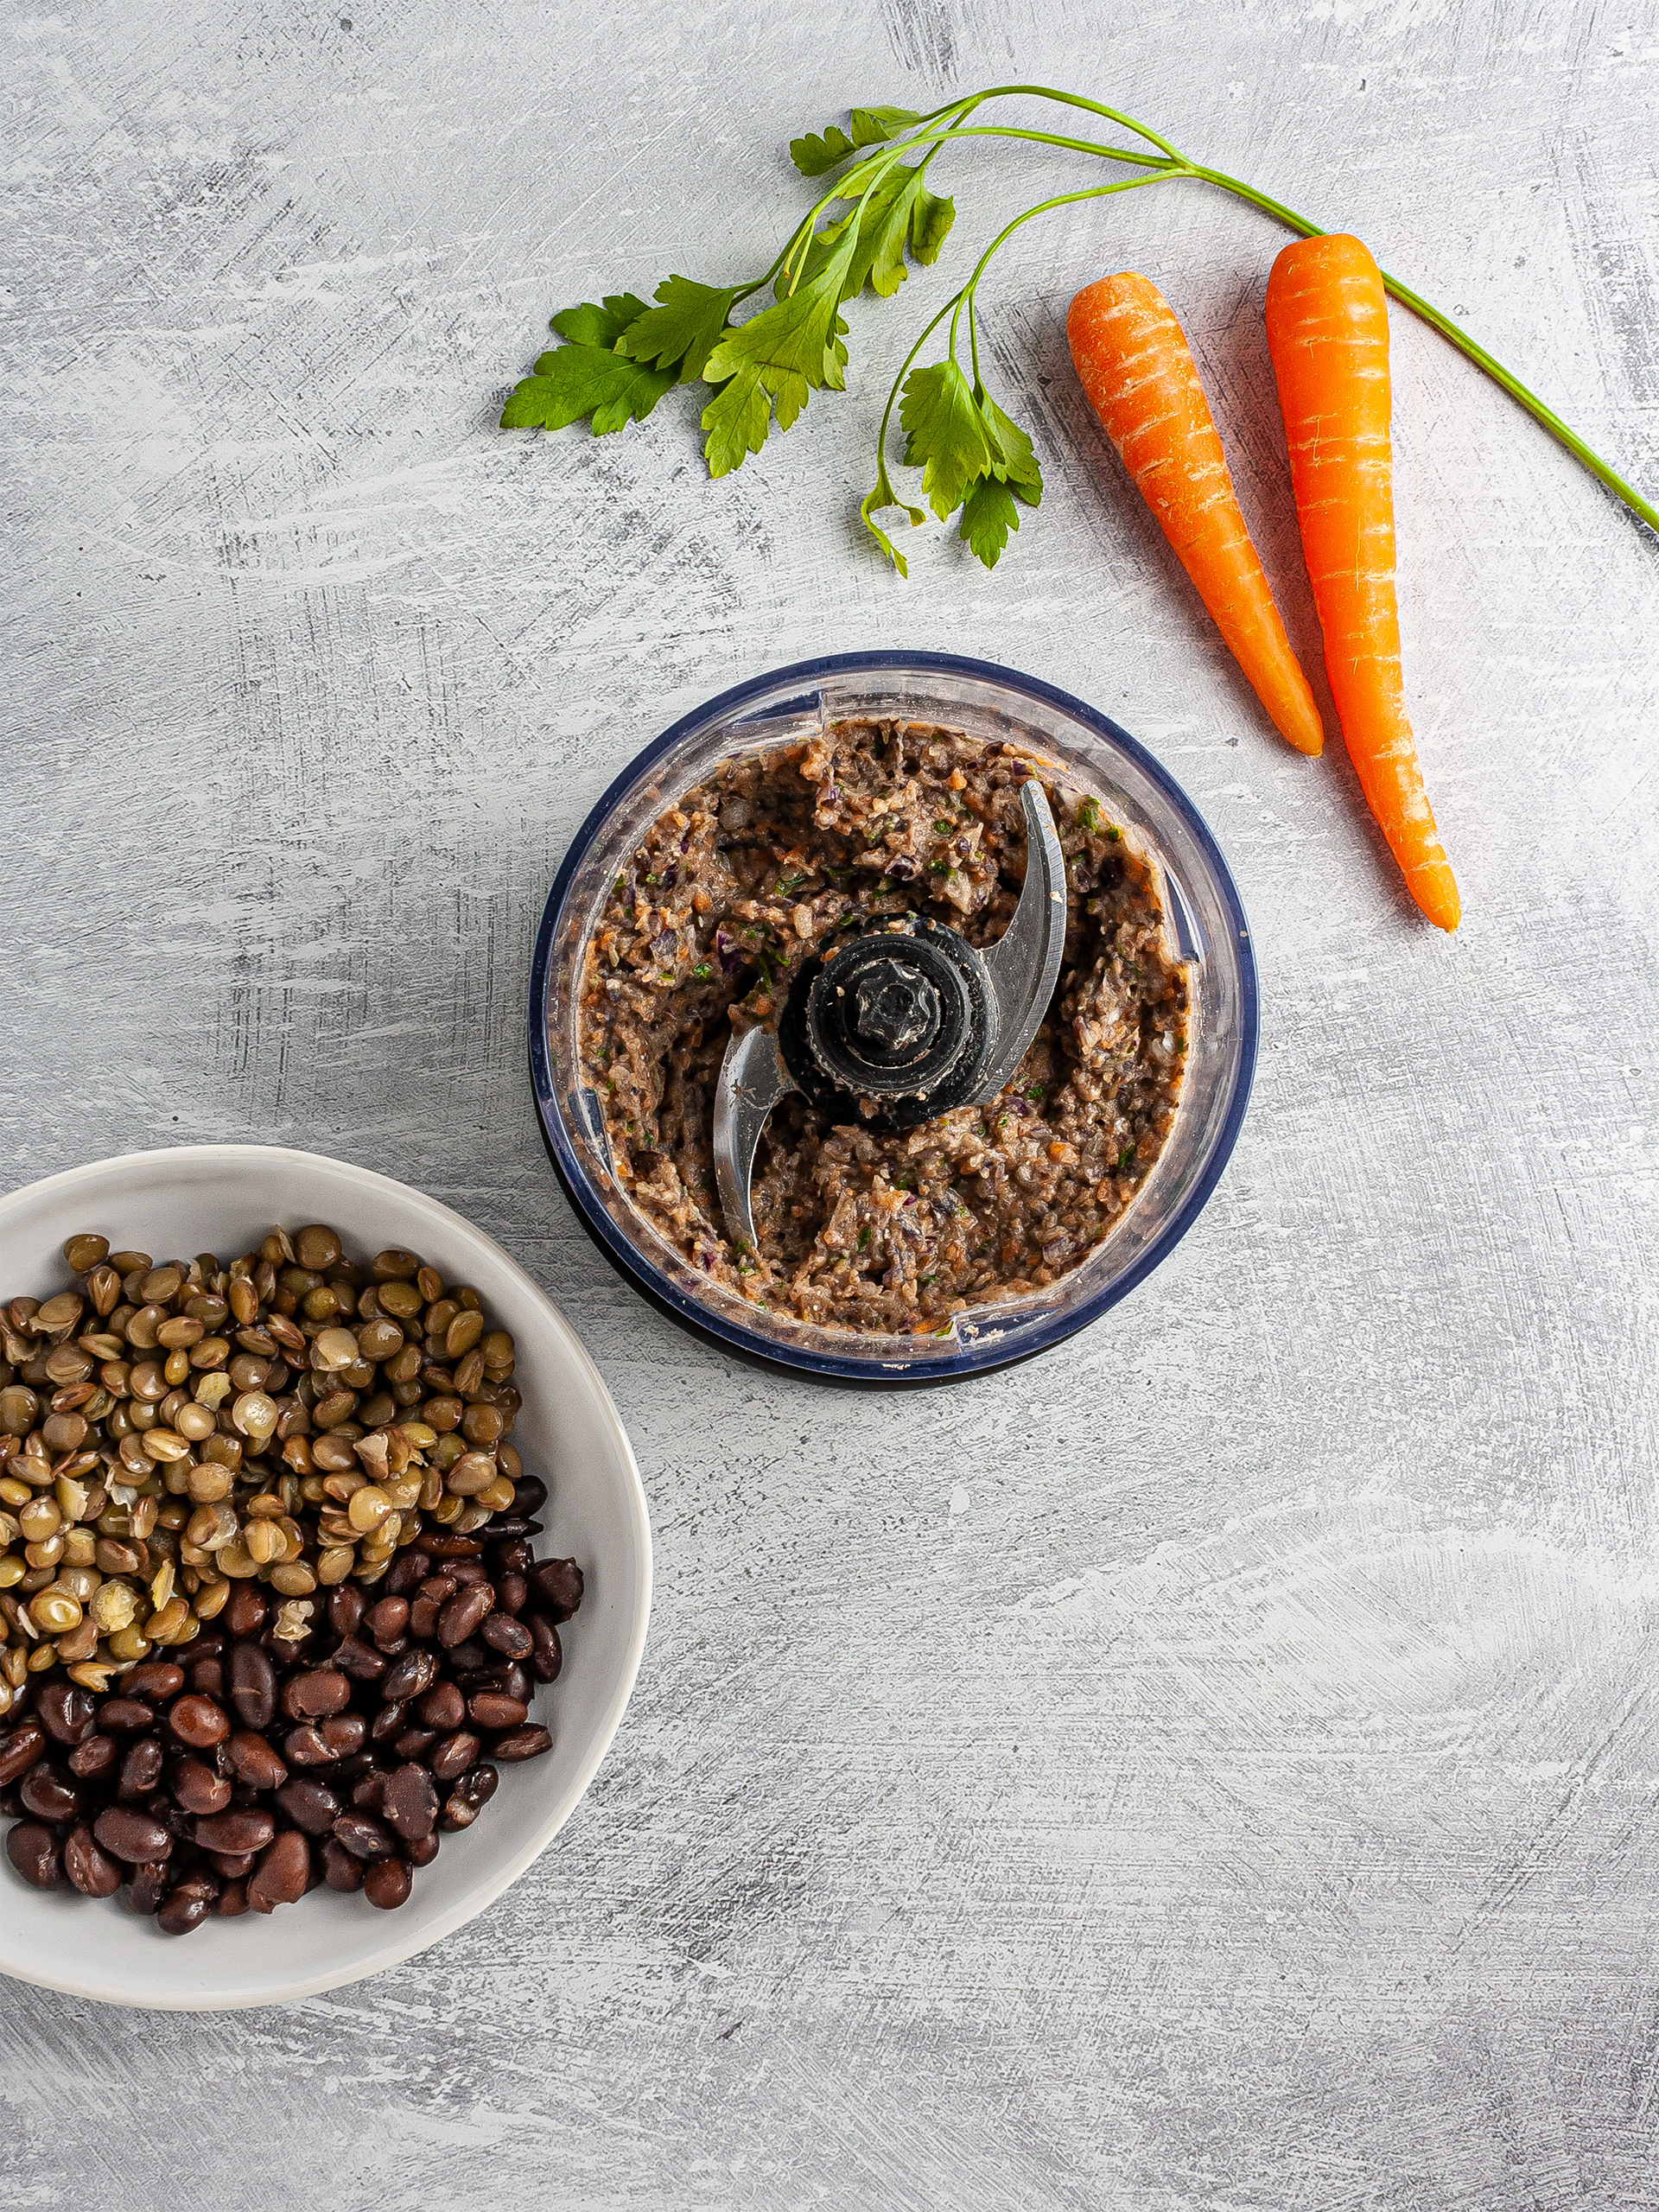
point(514, 1557)
point(358, 1660)
point(147, 1885)
point(387, 1722)
point(124, 1716)
point(254, 1761)
point(33, 1850)
point(305, 1747)
point(197, 1788)
point(253, 1686)
point(346, 1604)
point(387, 1621)
point(443, 1706)
point(208, 1675)
point(247, 1828)
point(453, 1756)
point(232, 1866)
point(65, 1712)
point(510, 1638)
point(527, 1743)
point(246, 1612)
point(48, 1793)
point(316, 1696)
point(93, 1755)
point(407, 1570)
point(369, 1791)
point(92, 1871)
point(140, 1769)
point(282, 1874)
point(409, 1676)
point(387, 1884)
point(309, 1805)
point(529, 1494)
point(478, 1784)
point(489, 1710)
point(411, 1802)
point(20, 1750)
point(341, 1869)
point(233, 1900)
point(556, 1588)
point(186, 1906)
point(547, 1654)
point(363, 1834)
point(414, 1743)
point(154, 1681)
point(132, 1836)
point(421, 1850)
point(197, 1721)
point(344, 1733)
point(510, 1591)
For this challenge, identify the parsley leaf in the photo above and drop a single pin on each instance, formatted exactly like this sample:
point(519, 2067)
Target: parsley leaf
point(735, 422)
point(1016, 464)
point(945, 434)
point(602, 326)
point(872, 124)
point(575, 380)
point(815, 156)
point(683, 330)
point(988, 515)
point(970, 454)
point(778, 359)
point(898, 213)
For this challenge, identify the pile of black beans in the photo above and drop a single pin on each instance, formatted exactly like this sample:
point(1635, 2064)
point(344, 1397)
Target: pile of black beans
point(242, 1769)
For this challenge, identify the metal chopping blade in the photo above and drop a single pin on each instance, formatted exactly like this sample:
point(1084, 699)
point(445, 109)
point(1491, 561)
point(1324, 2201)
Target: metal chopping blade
point(753, 1079)
point(910, 1017)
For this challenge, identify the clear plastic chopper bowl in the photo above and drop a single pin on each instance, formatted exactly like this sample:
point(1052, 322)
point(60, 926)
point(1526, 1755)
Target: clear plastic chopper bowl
point(1206, 924)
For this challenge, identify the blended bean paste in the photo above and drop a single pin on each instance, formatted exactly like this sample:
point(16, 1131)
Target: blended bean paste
point(763, 866)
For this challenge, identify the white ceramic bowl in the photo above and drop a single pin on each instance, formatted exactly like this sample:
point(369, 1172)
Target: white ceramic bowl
point(225, 1198)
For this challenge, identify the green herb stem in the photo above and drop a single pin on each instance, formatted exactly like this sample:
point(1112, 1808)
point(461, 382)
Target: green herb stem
point(1170, 161)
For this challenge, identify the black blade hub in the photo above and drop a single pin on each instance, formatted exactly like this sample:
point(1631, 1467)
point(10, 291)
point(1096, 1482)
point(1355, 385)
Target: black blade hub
point(894, 1029)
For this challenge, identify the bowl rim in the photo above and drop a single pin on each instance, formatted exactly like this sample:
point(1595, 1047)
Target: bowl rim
point(915, 1371)
point(392, 1949)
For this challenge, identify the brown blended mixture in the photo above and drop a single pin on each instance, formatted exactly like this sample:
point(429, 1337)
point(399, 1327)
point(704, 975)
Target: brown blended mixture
point(762, 866)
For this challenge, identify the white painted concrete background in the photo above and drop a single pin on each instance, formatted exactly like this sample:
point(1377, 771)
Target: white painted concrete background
point(1215, 1766)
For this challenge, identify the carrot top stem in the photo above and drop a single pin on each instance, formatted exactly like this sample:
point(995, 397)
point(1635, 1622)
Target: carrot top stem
point(1158, 161)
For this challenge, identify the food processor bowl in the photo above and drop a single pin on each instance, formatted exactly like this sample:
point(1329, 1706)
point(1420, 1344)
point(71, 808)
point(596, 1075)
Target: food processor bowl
point(1088, 753)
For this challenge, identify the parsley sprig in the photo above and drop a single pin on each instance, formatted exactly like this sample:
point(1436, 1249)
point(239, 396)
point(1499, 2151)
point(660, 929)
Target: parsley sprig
point(619, 357)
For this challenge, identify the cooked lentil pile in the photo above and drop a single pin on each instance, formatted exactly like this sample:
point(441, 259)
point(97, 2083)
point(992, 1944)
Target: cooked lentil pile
point(169, 1428)
point(206, 1470)
point(764, 866)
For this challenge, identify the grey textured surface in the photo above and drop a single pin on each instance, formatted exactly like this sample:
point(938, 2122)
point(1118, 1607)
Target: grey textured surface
point(1214, 1766)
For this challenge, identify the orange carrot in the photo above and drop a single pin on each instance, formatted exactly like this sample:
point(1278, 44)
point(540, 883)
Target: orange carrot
point(1328, 334)
point(1142, 382)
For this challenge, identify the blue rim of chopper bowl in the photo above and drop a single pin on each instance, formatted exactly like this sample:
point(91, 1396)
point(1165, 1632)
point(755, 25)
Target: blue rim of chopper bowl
point(964, 1359)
